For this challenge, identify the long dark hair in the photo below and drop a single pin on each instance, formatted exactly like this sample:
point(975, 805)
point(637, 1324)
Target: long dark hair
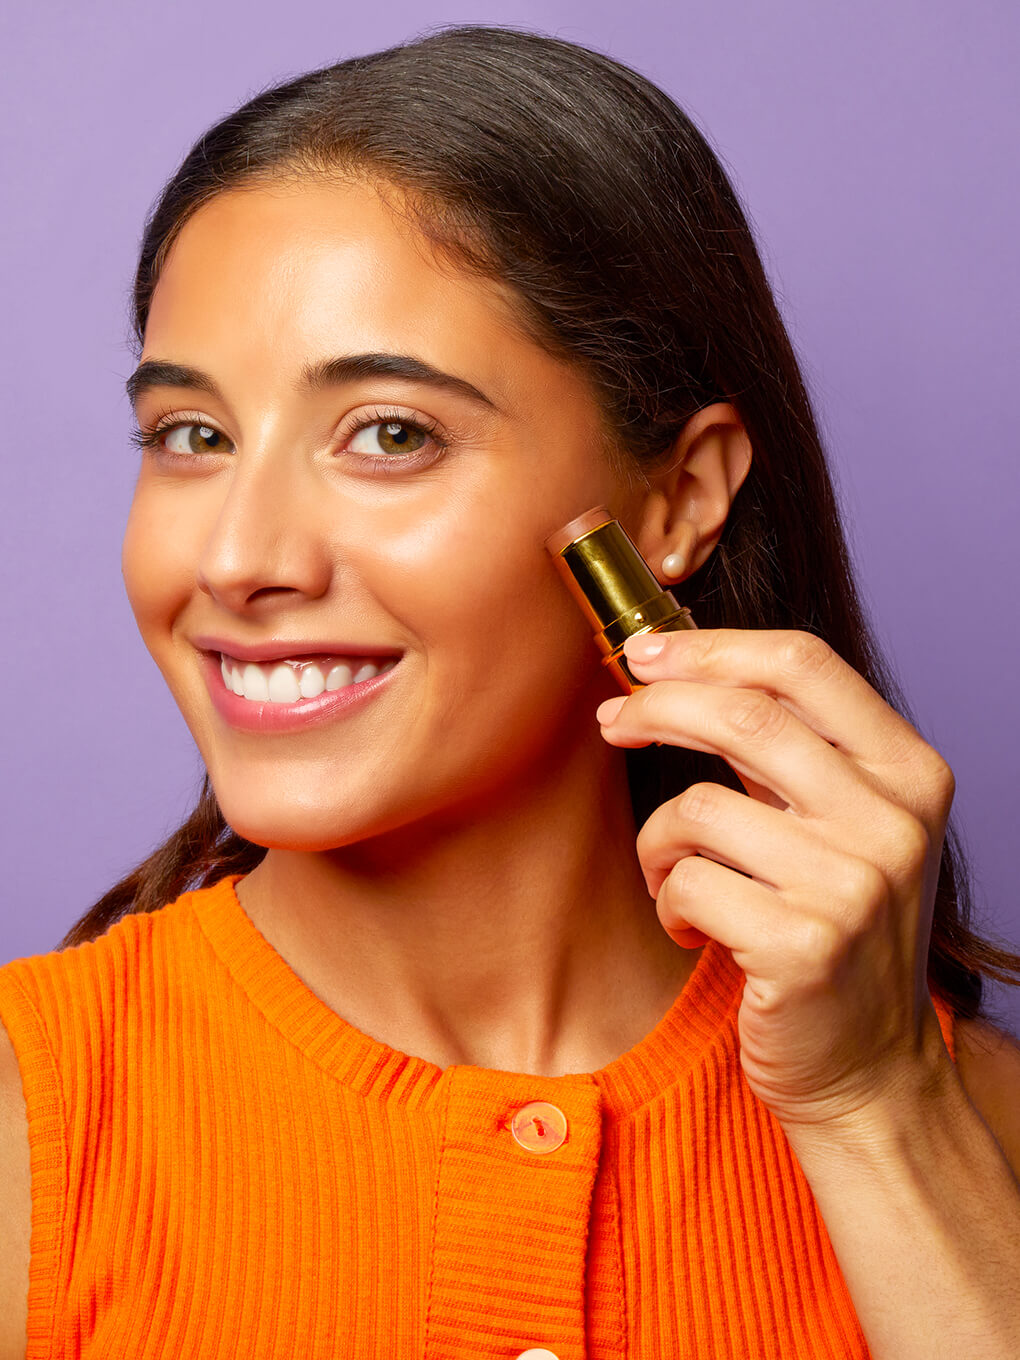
point(583, 186)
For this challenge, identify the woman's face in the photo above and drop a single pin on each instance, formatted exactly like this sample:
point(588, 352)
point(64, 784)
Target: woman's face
point(357, 514)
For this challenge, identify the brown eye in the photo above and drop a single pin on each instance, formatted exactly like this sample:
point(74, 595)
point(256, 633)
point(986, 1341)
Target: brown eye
point(392, 436)
point(187, 439)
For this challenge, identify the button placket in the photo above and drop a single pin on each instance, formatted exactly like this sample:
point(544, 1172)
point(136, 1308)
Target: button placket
point(513, 1202)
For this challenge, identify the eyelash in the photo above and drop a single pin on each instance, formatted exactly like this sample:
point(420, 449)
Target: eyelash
point(149, 437)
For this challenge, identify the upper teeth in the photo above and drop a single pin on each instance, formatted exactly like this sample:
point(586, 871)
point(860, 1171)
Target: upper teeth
point(285, 682)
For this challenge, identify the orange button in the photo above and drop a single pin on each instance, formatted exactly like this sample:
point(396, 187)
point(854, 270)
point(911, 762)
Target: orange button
point(539, 1127)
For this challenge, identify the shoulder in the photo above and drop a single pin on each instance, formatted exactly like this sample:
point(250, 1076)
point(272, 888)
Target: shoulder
point(15, 1205)
point(988, 1062)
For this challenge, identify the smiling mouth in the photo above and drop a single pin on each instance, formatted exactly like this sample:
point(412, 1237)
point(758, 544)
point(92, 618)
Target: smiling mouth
point(287, 682)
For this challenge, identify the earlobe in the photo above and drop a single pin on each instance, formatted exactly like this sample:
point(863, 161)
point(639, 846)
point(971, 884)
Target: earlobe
point(676, 561)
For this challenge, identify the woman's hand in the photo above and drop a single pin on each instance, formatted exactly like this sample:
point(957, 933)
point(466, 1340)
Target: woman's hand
point(821, 882)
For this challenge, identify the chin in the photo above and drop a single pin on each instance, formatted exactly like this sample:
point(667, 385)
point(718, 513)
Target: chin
point(284, 824)
point(289, 828)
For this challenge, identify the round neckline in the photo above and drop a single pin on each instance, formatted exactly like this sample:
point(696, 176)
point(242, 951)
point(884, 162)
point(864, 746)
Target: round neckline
point(679, 1041)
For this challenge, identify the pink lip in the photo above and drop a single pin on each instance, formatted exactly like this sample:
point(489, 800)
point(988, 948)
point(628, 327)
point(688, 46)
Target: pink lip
point(280, 649)
point(248, 715)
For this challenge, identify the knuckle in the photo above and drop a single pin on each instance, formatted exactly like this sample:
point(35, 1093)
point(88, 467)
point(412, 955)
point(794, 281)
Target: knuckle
point(819, 940)
point(705, 646)
point(803, 655)
point(941, 779)
point(911, 842)
point(927, 785)
point(865, 887)
point(698, 803)
point(679, 879)
point(753, 715)
point(914, 837)
point(682, 882)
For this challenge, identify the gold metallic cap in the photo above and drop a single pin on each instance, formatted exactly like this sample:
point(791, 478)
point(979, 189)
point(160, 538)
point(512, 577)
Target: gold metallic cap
point(613, 585)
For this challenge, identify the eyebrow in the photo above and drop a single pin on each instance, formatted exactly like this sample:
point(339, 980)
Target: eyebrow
point(345, 368)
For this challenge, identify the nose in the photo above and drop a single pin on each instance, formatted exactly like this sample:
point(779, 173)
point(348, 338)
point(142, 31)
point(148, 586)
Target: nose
point(266, 546)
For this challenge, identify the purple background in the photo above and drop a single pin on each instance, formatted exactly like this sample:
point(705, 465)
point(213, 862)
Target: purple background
point(874, 145)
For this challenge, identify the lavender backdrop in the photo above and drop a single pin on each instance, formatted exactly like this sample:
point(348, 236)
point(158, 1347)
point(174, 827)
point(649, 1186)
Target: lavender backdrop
point(875, 145)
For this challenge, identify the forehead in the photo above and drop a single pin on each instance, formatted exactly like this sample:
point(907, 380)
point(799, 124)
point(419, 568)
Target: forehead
point(312, 267)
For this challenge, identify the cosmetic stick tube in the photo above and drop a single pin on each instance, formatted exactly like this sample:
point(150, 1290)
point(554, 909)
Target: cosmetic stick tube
point(614, 586)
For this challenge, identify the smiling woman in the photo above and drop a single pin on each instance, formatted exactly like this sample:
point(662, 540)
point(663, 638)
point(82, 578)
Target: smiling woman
point(395, 1004)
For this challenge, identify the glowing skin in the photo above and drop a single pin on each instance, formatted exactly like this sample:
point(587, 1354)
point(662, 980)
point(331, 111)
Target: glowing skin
point(452, 862)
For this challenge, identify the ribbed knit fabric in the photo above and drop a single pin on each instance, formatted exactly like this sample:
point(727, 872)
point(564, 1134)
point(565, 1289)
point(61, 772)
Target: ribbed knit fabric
point(224, 1167)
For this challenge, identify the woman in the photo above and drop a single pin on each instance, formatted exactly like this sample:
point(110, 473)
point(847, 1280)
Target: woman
point(385, 1052)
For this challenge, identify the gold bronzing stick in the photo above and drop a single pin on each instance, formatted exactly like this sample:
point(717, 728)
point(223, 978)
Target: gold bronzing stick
point(614, 586)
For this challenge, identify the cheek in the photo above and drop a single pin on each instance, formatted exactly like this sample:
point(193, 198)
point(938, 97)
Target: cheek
point(507, 653)
point(467, 580)
point(155, 566)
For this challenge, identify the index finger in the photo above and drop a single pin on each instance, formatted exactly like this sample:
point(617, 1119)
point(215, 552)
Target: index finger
point(800, 671)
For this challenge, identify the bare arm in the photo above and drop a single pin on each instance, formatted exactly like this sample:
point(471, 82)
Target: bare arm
point(15, 1206)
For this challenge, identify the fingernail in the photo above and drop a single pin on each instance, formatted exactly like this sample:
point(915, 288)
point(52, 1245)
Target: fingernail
point(609, 708)
point(644, 646)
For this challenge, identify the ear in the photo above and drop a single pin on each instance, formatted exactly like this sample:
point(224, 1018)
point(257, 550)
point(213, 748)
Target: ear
point(682, 512)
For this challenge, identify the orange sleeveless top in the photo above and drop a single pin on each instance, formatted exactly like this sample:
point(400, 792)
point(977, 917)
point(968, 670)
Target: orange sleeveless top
point(222, 1166)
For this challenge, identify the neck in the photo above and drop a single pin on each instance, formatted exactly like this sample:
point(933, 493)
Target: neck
point(518, 937)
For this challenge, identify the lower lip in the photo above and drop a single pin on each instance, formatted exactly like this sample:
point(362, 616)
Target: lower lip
point(252, 715)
